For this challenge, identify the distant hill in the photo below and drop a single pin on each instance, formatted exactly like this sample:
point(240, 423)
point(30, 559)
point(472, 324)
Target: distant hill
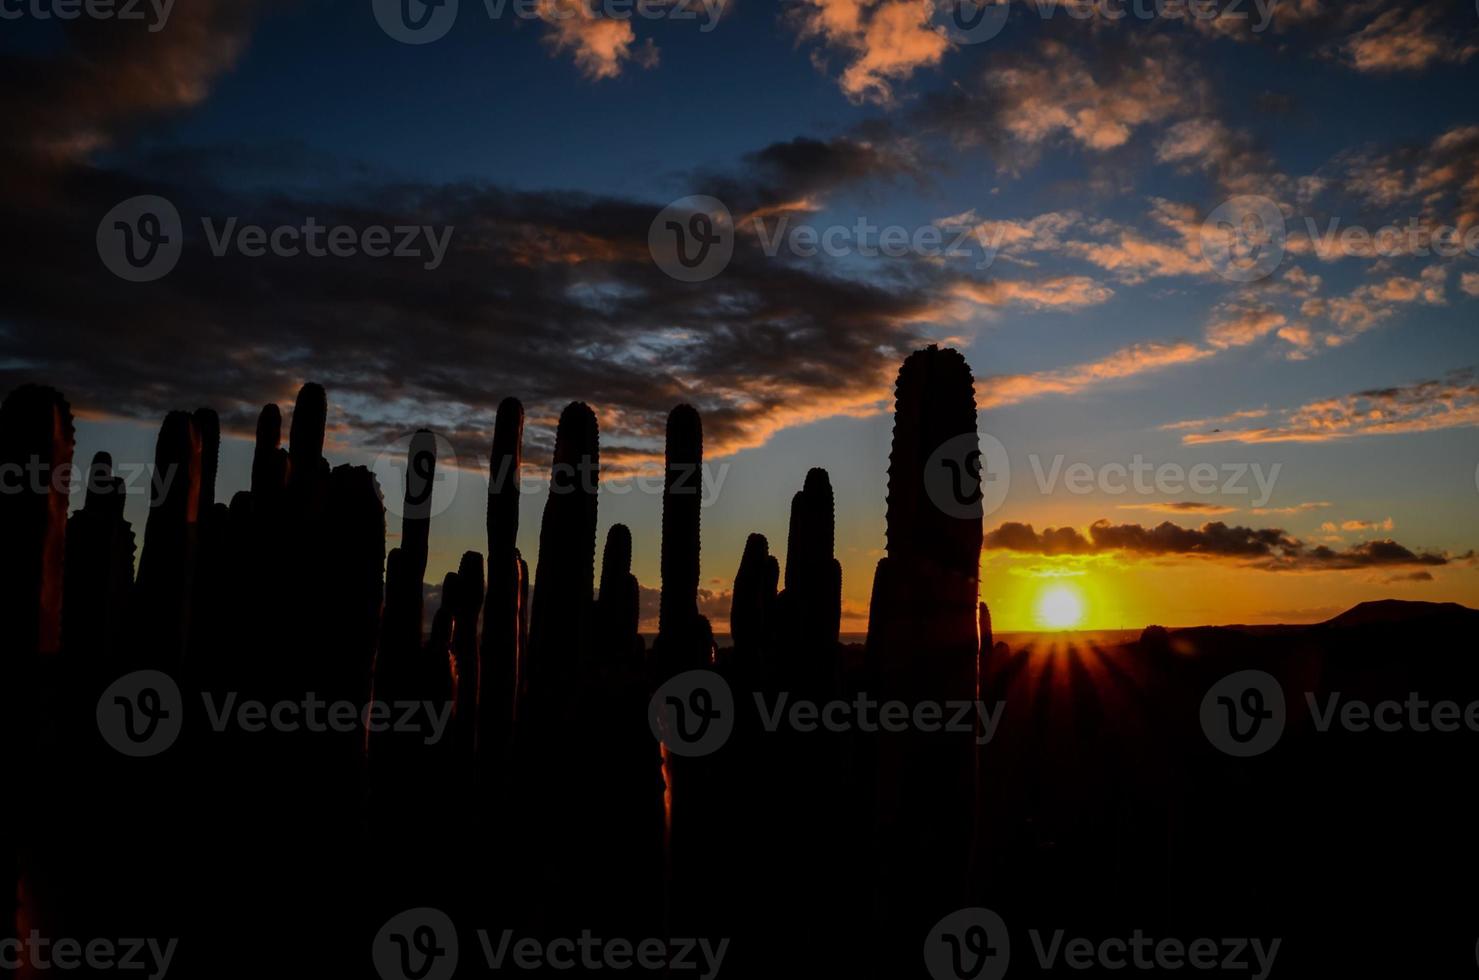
point(1385, 612)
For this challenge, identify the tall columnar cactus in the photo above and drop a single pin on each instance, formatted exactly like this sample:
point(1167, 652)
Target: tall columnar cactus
point(308, 470)
point(166, 581)
point(618, 608)
point(100, 567)
point(679, 625)
point(269, 461)
point(208, 424)
point(564, 579)
point(926, 589)
point(404, 605)
point(36, 440)
point(466, 604)
point(354, 566)
point(752, 609)
point(987, 639)
point(501, 659)
point(813, 596)
point(922, 638)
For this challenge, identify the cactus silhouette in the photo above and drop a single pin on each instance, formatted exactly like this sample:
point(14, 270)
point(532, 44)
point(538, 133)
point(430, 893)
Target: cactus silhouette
point(307, 470)
point(270, 460)
point(752, 608)
point(617, 609)
point(564, 579)
point(926, 589)
point(467, 604)
point(501, 658)
point(100, 567)
point(36, 439)
point(165, 589)
point(923, 643)
point(811, 605)
point(683, 637)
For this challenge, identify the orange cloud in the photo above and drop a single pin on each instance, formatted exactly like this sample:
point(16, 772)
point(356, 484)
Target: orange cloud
point(601, 46)
point(885, 40)
point(1127, 362)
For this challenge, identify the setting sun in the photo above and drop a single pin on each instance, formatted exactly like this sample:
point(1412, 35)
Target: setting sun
point(1060, 607)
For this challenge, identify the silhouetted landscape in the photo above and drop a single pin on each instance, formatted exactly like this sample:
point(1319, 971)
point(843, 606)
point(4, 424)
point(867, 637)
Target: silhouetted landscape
point(1097, 804)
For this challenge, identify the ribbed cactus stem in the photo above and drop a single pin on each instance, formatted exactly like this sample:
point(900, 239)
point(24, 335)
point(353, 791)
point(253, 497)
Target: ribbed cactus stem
point(564, 579)
point(682, 494)
point(36, 435)
point(501, 657)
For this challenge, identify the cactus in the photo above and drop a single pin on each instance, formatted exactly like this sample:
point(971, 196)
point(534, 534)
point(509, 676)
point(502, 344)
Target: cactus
point(166, 581)
point(922, 639)
point(501, 658)
point(306, 467)
point(926, 589)
point(100, 567)
point(466, 603)
point(36, 435)
point(752, 609)
point(208, 424)
point(680, 628)
point(269, 461)
point(565, 576)
point(400, 638)
point(354, 586)
point(617, 609)
point(987, 641)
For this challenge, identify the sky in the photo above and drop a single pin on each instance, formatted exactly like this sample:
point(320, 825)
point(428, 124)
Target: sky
point(1215, 267)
